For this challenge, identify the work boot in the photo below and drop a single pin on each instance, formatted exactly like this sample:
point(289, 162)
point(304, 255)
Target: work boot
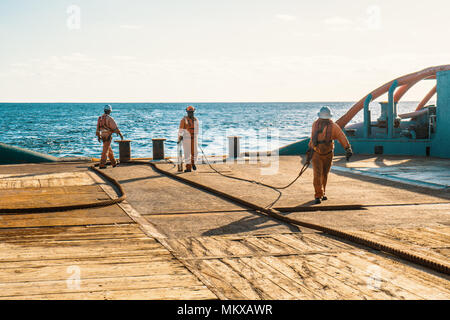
point(317, 201)
point(188, 170)
point(324, 198)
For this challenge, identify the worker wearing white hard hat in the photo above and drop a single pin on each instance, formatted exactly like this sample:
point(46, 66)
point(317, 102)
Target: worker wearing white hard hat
point(321, 150)
point(106, 126)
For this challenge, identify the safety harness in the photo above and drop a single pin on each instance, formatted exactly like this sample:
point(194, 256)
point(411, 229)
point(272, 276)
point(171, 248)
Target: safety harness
point(319, 127)
point(105, 131)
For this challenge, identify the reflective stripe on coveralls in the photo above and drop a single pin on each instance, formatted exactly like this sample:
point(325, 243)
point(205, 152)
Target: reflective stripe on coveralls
point(322, 135)
point(189, 131)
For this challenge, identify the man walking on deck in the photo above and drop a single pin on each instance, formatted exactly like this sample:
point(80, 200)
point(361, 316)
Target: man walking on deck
point(188, 134)
point(106, 126)
point(321, 150)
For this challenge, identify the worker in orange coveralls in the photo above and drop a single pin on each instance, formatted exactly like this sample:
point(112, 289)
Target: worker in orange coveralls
point(106, 126)
point(188, 133)
point(321, 147)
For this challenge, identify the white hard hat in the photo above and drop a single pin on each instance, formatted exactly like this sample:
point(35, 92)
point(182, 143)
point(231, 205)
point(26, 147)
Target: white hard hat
point(108, 108)
point(325, 113)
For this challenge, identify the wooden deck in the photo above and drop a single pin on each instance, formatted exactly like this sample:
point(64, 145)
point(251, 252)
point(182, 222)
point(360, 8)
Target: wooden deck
point(172, 241)
point(82, 254)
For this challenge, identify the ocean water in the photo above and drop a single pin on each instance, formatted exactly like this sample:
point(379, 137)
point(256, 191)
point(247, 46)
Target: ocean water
point(68, 129)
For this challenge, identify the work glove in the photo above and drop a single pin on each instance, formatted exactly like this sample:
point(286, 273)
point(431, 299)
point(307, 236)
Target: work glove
point(348, 153)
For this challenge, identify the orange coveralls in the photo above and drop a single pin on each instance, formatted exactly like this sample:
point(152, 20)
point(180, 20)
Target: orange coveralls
point(106, 126)
point(189, 131)
point(322, 135)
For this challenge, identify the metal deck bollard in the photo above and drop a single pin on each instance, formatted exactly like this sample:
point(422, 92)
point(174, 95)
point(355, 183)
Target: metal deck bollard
point(158, 149)
point(124, 150)
point(234, 147)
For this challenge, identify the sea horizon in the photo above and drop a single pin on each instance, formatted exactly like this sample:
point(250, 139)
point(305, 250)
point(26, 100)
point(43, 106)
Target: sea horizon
point(67, 129)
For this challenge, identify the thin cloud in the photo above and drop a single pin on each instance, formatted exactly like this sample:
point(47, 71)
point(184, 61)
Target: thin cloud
point(338, 21)
point(124, 58)
point(285, 17)
point(130, 26)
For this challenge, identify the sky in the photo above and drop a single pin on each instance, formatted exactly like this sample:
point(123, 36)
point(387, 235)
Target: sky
point(215, 51)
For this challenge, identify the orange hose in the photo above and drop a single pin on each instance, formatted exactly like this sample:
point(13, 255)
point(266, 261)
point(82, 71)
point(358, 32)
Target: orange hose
point(426, 98)
point(409, 78)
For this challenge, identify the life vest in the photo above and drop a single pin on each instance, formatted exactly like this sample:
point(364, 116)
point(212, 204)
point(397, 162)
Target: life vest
point(324, 146)
point(105, 131)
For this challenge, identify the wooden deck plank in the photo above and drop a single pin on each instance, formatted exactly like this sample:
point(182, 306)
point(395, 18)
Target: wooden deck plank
point(105, 216)
point(233, 284)
point(224, 280)
point(231, 247)
point(317, 290)
point(174, 293)
point(143, 257)
point(405, 279)
point(127, 282)
point(418, 236)
point(71, 233)
point(258, 280)
point(12, 253)
point(293, 287)
point(319, 281)
point(46, 197)
point(101, 270)
point(61, 179)
point(266, 245)
point(300, 243)
point(365, 280)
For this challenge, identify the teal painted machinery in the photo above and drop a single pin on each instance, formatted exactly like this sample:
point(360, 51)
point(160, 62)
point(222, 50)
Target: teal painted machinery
point(423, 132)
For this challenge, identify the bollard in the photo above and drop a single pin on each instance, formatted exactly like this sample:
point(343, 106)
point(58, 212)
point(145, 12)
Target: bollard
point(124, 150)
point(234, 147)
point(158, 149)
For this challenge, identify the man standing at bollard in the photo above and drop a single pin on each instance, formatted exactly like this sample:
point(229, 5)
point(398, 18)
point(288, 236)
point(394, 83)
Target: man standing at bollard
point(321, 150)
point(106, 126)
point(188, 134)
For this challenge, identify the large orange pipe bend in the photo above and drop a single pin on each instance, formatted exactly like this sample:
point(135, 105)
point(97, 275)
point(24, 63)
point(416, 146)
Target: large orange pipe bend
point(401, 91)
point(405, 80)
point(426, 98)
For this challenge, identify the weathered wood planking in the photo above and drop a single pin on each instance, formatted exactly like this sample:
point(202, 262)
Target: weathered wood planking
point(113, 258)
point(63, 179)
point(106, 216)
point(424, 241)
point(116, 231)
point(303, 266)
point(48, 197)
point(130, 266)
point(199, 292)
point(403, 276)
point(100, 285)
